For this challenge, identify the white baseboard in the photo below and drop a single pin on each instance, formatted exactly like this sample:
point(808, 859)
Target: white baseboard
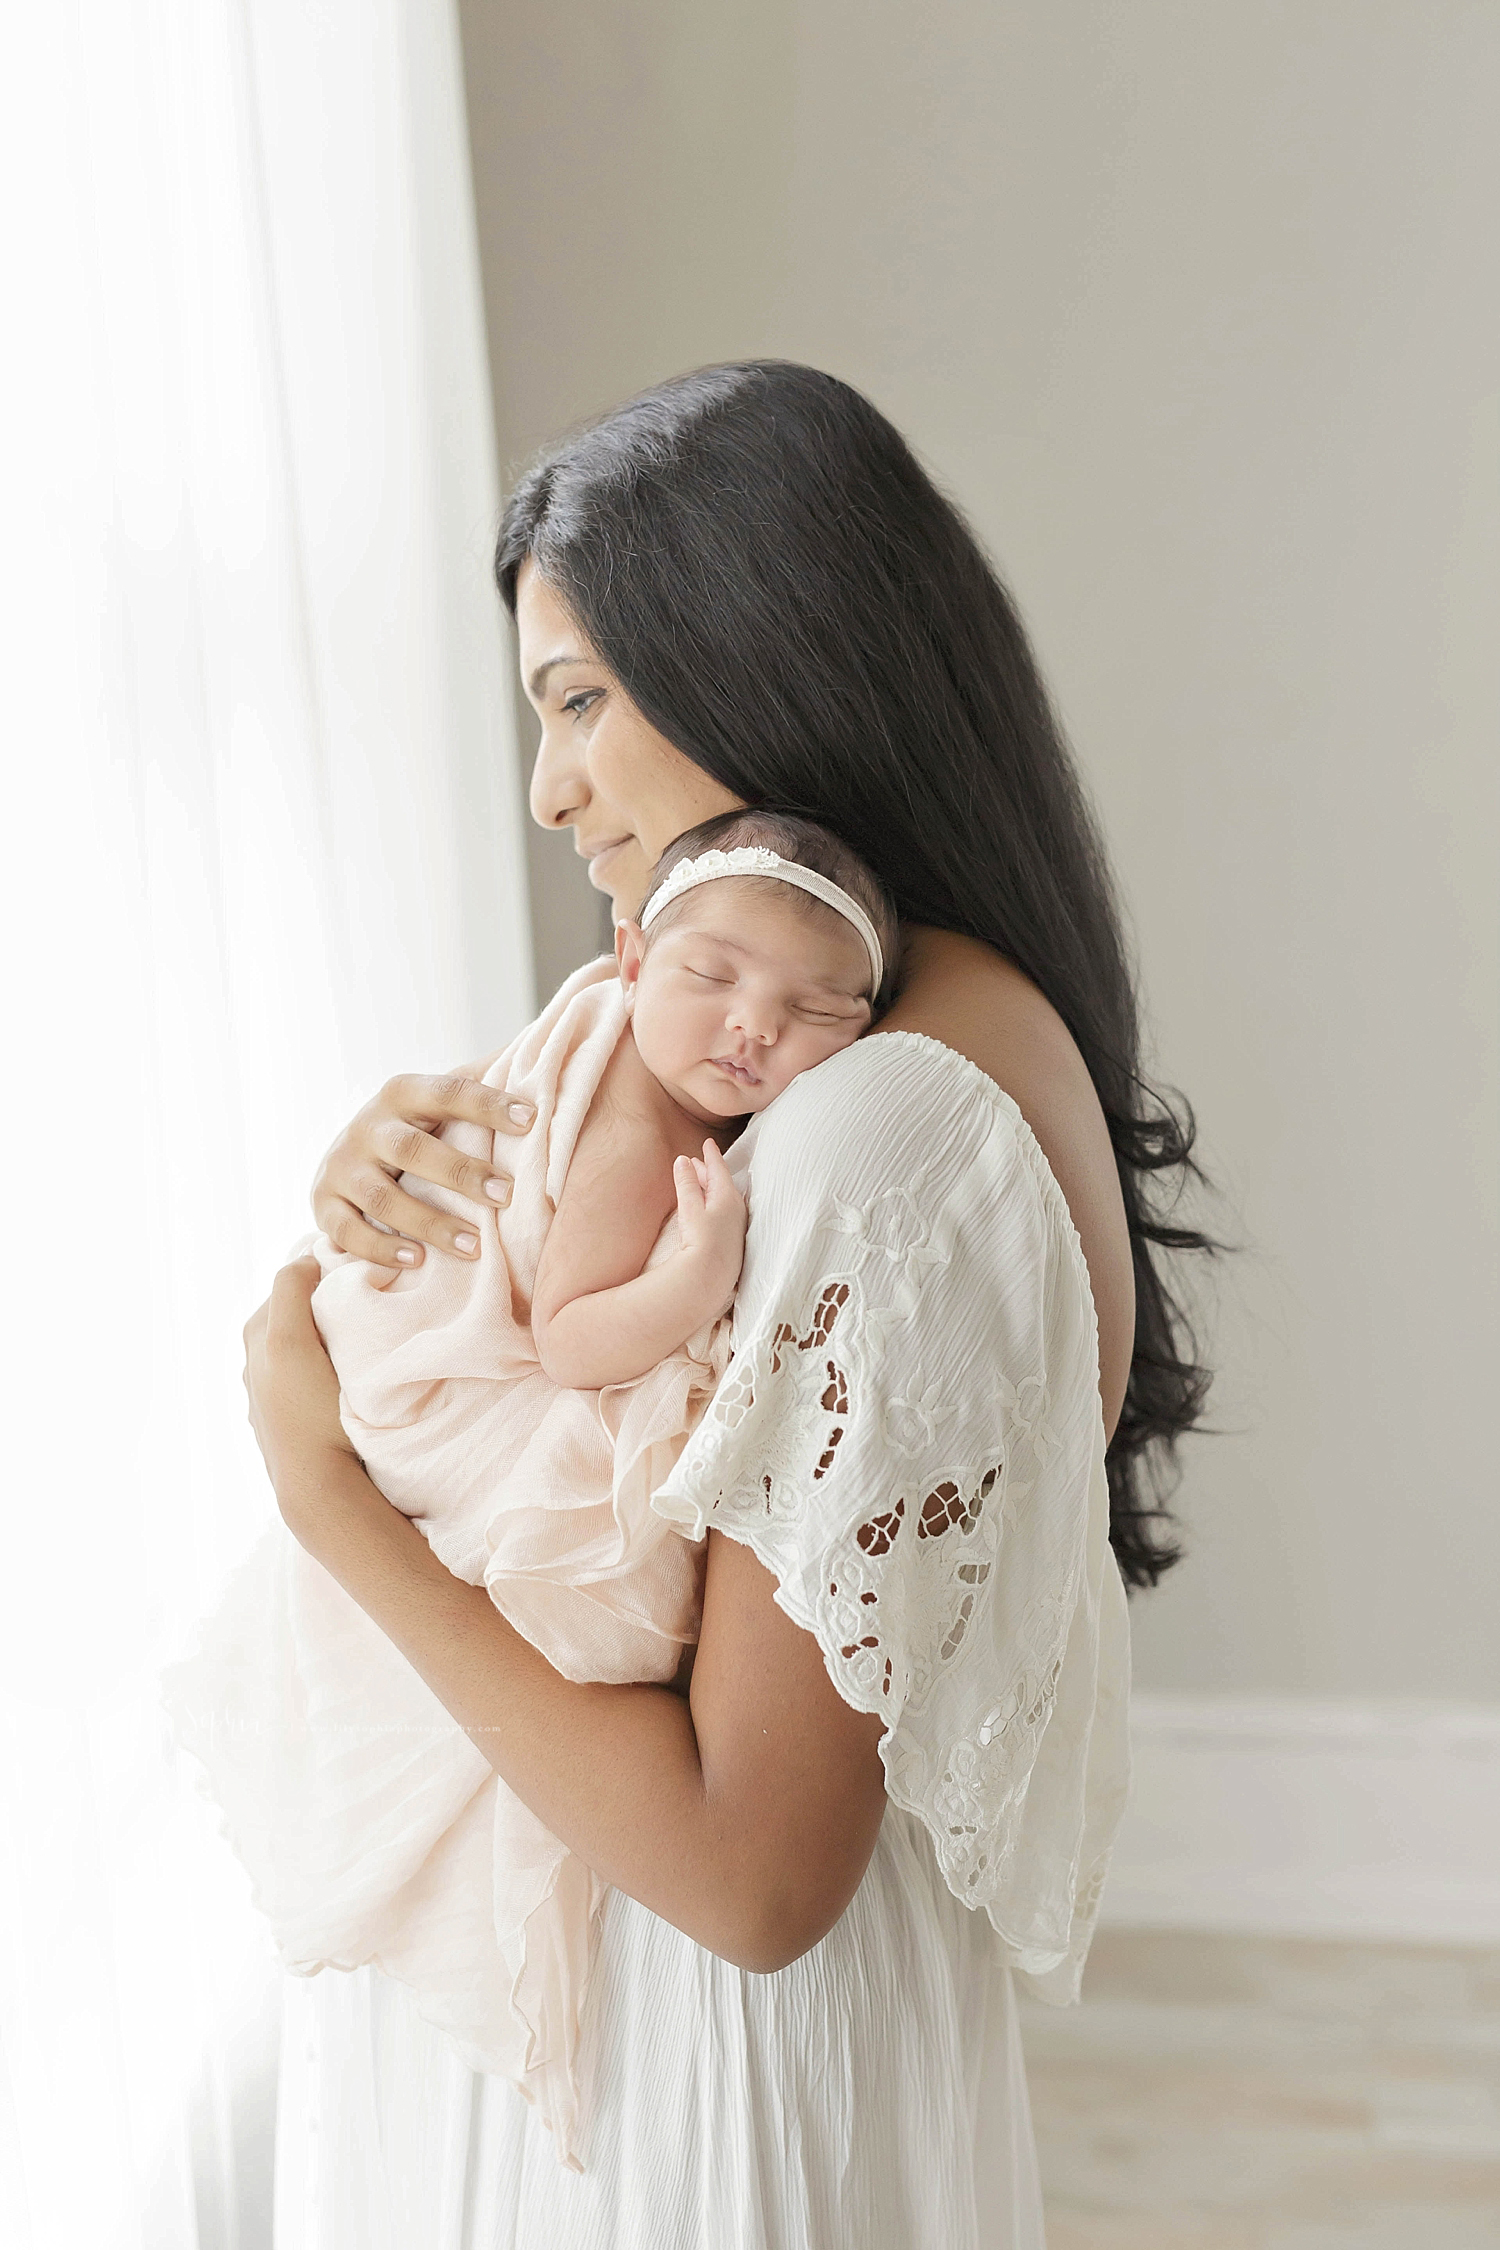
point(1312, 1818)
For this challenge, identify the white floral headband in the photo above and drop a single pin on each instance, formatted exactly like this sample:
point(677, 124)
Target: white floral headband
point(754, 859)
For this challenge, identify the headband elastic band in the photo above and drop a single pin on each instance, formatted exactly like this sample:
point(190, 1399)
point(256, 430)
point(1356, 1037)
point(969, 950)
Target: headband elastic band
point(755, 859)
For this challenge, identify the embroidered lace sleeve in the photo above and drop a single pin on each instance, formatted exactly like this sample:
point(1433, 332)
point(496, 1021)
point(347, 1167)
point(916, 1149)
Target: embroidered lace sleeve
point(909, 1437)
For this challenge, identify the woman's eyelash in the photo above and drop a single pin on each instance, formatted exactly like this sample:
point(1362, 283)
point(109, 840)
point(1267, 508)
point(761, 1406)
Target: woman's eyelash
point(581, 701)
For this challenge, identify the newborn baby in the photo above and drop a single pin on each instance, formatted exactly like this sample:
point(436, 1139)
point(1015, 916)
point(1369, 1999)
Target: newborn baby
point(522, 1408)
point(736, 981)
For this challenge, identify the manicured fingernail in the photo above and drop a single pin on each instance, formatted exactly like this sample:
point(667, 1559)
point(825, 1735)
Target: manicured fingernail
point(467, 1243)
point(520, 1113)
point(406, 1257)
point(497, 1189)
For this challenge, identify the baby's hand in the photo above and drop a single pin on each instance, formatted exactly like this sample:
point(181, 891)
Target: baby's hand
point(712, 1215)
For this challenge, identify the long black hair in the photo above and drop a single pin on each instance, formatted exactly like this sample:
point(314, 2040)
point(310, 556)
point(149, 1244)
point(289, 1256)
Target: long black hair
point(784, 594)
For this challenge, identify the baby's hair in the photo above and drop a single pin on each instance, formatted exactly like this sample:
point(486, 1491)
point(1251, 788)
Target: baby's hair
point(809, 846)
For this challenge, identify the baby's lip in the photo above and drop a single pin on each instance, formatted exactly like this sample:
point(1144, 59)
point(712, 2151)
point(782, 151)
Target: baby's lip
point(738, 1070)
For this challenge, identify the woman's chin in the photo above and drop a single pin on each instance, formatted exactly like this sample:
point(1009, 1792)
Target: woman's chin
point(623, 876)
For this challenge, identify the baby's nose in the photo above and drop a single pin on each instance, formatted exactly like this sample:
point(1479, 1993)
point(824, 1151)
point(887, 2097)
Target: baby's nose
point(755, 1020)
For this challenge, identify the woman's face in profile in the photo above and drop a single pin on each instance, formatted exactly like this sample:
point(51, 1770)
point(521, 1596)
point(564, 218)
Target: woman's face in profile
point(602, 770)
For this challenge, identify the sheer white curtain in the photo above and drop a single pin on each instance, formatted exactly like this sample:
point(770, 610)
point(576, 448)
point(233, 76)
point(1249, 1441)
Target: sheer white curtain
point(261, 847)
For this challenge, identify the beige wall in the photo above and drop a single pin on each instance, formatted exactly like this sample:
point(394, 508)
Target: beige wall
point(1191, 307)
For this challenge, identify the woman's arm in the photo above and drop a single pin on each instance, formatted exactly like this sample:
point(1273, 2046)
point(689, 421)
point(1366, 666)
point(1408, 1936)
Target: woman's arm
point(744, 1815)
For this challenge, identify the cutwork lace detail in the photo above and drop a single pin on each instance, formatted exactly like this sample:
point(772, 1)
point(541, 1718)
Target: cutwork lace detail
point(834, 1397)
point(899, 1593)
point(955, 1505)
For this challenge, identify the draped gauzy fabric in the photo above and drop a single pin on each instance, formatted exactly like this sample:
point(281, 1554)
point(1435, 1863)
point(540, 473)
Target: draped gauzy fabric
point(372, 1827)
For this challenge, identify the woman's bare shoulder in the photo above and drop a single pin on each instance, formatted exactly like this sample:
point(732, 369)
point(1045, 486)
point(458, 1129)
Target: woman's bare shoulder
point(964, 994)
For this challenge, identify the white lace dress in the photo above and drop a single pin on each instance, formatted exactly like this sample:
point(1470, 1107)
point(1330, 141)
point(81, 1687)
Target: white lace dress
point(909, 1437)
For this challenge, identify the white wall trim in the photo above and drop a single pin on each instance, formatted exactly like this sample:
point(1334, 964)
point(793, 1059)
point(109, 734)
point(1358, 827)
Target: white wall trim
point(1312, 1818)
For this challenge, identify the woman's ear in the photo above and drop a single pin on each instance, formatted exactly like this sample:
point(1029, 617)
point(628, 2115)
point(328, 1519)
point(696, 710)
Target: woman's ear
point(629, 952)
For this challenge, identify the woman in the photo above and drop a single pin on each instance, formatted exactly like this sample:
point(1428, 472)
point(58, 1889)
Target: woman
point(889, 1780)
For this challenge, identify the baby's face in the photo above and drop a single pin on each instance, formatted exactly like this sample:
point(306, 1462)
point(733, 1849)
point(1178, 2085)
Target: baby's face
point(739, 993)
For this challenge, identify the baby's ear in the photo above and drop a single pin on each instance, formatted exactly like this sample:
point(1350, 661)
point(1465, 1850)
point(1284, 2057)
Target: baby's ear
point(629, 949)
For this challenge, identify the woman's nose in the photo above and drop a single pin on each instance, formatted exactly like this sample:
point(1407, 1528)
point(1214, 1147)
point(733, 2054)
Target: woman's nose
point(559, 790)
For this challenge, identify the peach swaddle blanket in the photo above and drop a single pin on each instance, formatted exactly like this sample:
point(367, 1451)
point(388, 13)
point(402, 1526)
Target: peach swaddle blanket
point(373, 1827)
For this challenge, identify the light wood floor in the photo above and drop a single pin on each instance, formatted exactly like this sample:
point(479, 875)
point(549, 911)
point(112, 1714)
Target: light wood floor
point(1218, 2093)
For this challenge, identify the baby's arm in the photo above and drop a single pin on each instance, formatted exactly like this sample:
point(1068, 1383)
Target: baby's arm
point(596, 1318)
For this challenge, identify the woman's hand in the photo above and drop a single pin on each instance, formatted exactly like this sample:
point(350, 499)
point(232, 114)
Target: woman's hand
point(294, 1392)
point(394, 1133)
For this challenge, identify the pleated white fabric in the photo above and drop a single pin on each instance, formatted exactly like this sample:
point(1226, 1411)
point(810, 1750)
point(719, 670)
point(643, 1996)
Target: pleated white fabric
point(910, 1438)
point(870, 2097)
